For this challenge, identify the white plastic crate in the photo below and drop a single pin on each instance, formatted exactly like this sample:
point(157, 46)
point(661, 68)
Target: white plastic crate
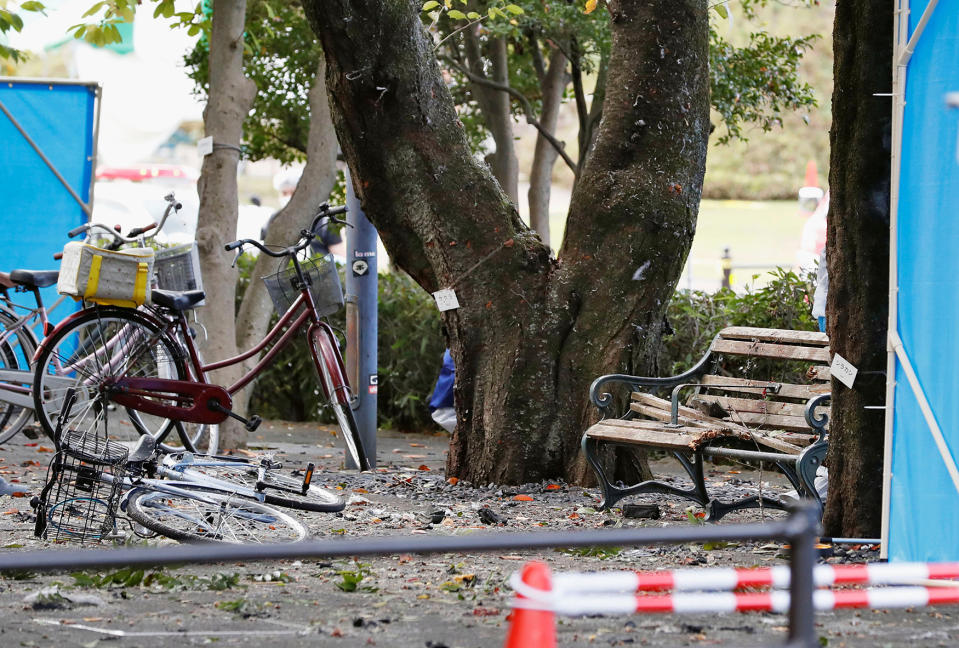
point(119, 278)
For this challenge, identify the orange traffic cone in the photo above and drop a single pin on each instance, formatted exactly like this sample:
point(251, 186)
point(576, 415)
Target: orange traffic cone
point(533, 628)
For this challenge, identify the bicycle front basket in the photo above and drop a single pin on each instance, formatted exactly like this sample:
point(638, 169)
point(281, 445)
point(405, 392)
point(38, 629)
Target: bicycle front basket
point(324, 282)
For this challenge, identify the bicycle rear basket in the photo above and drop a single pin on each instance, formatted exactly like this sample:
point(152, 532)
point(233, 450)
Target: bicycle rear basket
point(178, 268)
point(320, 273)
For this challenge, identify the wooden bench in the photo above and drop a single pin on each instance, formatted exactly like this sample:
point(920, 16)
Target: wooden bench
point(725, 415)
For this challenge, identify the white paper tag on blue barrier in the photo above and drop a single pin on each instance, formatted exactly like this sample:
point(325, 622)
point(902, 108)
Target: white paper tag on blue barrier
point(843, 370)
point(446, 299)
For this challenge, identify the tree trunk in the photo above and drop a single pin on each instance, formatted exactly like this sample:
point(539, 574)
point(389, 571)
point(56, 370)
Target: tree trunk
point(230, 97)
point(857, 249)
point(496, 110)
point(314, 186)
point(531, 332)
point(544, 157)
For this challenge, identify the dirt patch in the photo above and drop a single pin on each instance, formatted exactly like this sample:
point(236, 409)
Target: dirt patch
point(454, 600)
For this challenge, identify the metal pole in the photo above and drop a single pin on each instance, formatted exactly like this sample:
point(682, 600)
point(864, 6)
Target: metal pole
point(802, 629)
point(361, 320)
point(60, 560)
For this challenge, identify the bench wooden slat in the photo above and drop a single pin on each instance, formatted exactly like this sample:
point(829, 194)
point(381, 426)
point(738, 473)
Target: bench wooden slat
point(782, 336)
point(769, 350)
point(786, 390)
point(734, 405)
point(665, 416)
point(652, 434)
point(769, 421)
point(663, 404)
point(645, 433)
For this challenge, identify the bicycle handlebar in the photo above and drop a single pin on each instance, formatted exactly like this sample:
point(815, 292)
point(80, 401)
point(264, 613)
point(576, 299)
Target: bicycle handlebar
point(136, 232)
point(306, 236)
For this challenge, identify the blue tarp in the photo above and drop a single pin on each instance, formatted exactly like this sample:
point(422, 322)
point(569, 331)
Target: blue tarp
point(37, 211)
point(924, 504)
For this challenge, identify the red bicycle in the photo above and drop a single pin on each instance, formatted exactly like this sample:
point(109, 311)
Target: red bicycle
point(140, 368)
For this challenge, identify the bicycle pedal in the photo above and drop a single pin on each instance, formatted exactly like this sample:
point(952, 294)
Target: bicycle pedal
point(308, 477)
point(31, 432)
point(253, 423)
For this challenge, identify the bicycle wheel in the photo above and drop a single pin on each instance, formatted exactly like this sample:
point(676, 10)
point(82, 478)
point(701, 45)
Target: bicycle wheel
point(327, 361)
point(191, 514)
point(243, 474)
point(17, 346)
point(101, 344)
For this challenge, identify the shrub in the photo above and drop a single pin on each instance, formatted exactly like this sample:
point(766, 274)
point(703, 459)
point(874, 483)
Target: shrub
point(410, 350)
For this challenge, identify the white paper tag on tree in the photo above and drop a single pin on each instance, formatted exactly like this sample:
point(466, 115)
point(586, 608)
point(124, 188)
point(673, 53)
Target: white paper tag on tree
point(843, 370)
point(204, 146)
point(446, 299)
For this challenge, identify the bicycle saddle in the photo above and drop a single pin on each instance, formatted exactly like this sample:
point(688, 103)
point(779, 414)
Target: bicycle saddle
point(178, 301)
point(6, 281)
point(34, 278)
point(143, 450)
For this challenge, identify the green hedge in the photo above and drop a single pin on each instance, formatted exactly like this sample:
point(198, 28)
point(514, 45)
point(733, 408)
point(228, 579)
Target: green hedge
point(411, 345)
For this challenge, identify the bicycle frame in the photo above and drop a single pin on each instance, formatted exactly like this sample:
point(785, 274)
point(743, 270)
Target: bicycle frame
point(200, 394)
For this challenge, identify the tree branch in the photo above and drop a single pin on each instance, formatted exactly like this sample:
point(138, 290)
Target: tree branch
point(527, 110)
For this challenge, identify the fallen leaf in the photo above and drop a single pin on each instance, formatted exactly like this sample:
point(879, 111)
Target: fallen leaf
point(44, 449)
point(417, 445)
point(483, 612)
point(523, 498)
point(453, 481)
point(553, 487)
point(360, 490)
point(424, 467)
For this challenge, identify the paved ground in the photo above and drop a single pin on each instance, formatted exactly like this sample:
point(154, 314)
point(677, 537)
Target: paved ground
point(402, 600)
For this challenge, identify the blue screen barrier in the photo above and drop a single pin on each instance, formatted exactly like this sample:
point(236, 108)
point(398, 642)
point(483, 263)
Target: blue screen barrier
point(923, 520)
point(37, 210)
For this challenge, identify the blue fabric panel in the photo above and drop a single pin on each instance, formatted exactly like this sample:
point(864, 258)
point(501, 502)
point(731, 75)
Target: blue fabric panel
point(37, 211)
point(924, 513)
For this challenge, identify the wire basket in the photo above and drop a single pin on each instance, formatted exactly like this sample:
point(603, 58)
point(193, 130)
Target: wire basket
point(79, 501)
point(178, 268)
point(324, 281)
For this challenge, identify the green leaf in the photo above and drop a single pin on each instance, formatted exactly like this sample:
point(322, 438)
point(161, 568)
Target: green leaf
point(432, 4)
point(456, 14)
point(94, 9)
point(722, 10)
point(32, 5)
point(473, 15)
point(515, 9)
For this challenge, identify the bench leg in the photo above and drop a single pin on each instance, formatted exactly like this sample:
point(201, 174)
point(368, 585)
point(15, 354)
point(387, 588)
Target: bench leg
point(718, 508)
point(806, 466)
point(612, 493)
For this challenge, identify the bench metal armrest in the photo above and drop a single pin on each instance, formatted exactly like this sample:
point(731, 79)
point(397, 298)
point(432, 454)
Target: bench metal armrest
point(674, 402)
point(817, 423)
point(603, 400)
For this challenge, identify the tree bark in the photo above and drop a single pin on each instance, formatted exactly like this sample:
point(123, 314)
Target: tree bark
point(857, 249)
point(230, 98)
point(552, 84)
point(531, 332)
point(315, 184)
point(496, 110)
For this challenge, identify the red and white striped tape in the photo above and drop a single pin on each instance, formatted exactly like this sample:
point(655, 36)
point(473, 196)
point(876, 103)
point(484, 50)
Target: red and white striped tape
point(608, 593)
point(723, 602)
point(698, 580)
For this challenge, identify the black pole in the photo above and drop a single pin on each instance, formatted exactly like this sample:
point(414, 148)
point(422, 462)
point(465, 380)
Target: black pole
point(802, 629)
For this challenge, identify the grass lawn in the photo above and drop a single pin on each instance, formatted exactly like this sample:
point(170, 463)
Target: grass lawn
point(760, 236)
